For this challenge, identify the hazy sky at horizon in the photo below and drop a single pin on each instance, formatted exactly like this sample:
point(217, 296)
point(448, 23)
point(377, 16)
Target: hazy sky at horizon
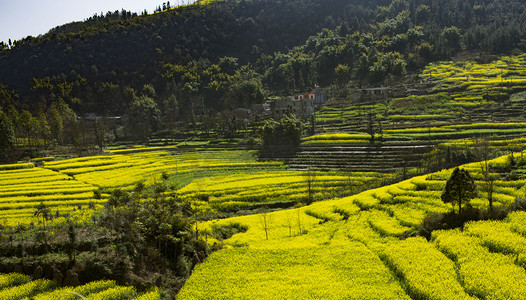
point(19, 19)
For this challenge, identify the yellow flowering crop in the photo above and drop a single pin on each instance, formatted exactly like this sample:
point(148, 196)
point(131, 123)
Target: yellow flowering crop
point(151, 295)
point(485, 274)
point(426, 271)
point(385, 224)
point(69, 293)
point(517, 222)
point(498, 237)
point(27, 290)
point(18, 286)
point(116, 293)
point(12, 279)
point(328, 272)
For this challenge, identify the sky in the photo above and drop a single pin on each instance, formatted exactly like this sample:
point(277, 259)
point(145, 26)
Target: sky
point(21, 18)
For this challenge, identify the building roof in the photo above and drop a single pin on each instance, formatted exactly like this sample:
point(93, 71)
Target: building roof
point(376, 89)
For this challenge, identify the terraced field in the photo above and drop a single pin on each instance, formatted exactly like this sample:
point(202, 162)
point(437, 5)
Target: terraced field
point(452, 92)
point(459, 101)
point(359, 157)
point(329, 241)
point(356, 247)
point(126, 170)
point(275, 189)
point(214, 181)
point(22, 189)
point(402, 148)
point(17, 286)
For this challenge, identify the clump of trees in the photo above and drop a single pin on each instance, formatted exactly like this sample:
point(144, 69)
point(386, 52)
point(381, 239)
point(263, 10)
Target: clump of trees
point(165, 224)
point(7, 136)
point(281, 138)
point(143, 237)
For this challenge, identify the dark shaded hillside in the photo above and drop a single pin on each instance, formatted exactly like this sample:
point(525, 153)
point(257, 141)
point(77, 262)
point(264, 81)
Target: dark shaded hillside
point(196, 64)
point(135, 48)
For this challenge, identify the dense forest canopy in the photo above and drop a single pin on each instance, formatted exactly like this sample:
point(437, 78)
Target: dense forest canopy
point(169, 66)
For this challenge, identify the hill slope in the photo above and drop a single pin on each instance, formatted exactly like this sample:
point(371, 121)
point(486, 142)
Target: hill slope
point(322, 249)
point(182, 51)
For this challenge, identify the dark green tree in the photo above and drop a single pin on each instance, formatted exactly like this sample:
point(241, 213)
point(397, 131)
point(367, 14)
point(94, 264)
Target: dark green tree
point(28, 127)
point(44, 130)
point(460, 188)
point(170, 111)
point(450, 41)
point(422, 14)
point(343, 74)
point(144, 117)
point(283, 137)
point(56, 125)
point(7, 135)
point(245, 89)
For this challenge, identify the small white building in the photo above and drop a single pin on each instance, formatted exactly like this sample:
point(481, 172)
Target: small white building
point(301, 107)
point(317, 95)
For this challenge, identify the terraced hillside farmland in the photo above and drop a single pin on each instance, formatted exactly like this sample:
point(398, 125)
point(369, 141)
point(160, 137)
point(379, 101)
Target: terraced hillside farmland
point(275, 189)
point(218, 180)
point(450, 93)
point(358, 157)
point(126, 170)
point(457, 101)
point(402, 148)
point(23, 189)
point(214, 181)
point(18, 286)
point(323, 248)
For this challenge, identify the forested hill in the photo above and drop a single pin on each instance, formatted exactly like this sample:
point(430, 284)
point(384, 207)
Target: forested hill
point(230, 53)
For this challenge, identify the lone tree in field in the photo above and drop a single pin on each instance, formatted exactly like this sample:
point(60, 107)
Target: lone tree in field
point(43, 211)
point(460, 187)
point(483, 153)
point(310, 178)
point(265, 219)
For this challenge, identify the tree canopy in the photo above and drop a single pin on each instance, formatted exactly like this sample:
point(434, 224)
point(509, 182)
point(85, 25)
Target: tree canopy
point(283, 137)
point(7, 135)
point(459, 189)
point(229, 53)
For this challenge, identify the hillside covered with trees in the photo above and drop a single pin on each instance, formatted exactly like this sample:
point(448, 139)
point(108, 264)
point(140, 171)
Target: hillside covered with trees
point(181, 64)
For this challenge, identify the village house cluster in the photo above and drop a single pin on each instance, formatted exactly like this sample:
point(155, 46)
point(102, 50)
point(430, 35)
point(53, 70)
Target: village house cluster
point(301, 105)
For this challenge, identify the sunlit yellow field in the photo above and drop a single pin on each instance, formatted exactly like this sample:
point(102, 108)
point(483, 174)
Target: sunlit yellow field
point(281, 252)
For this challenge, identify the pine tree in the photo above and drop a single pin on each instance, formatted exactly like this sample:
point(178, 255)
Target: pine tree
point(460, 187)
